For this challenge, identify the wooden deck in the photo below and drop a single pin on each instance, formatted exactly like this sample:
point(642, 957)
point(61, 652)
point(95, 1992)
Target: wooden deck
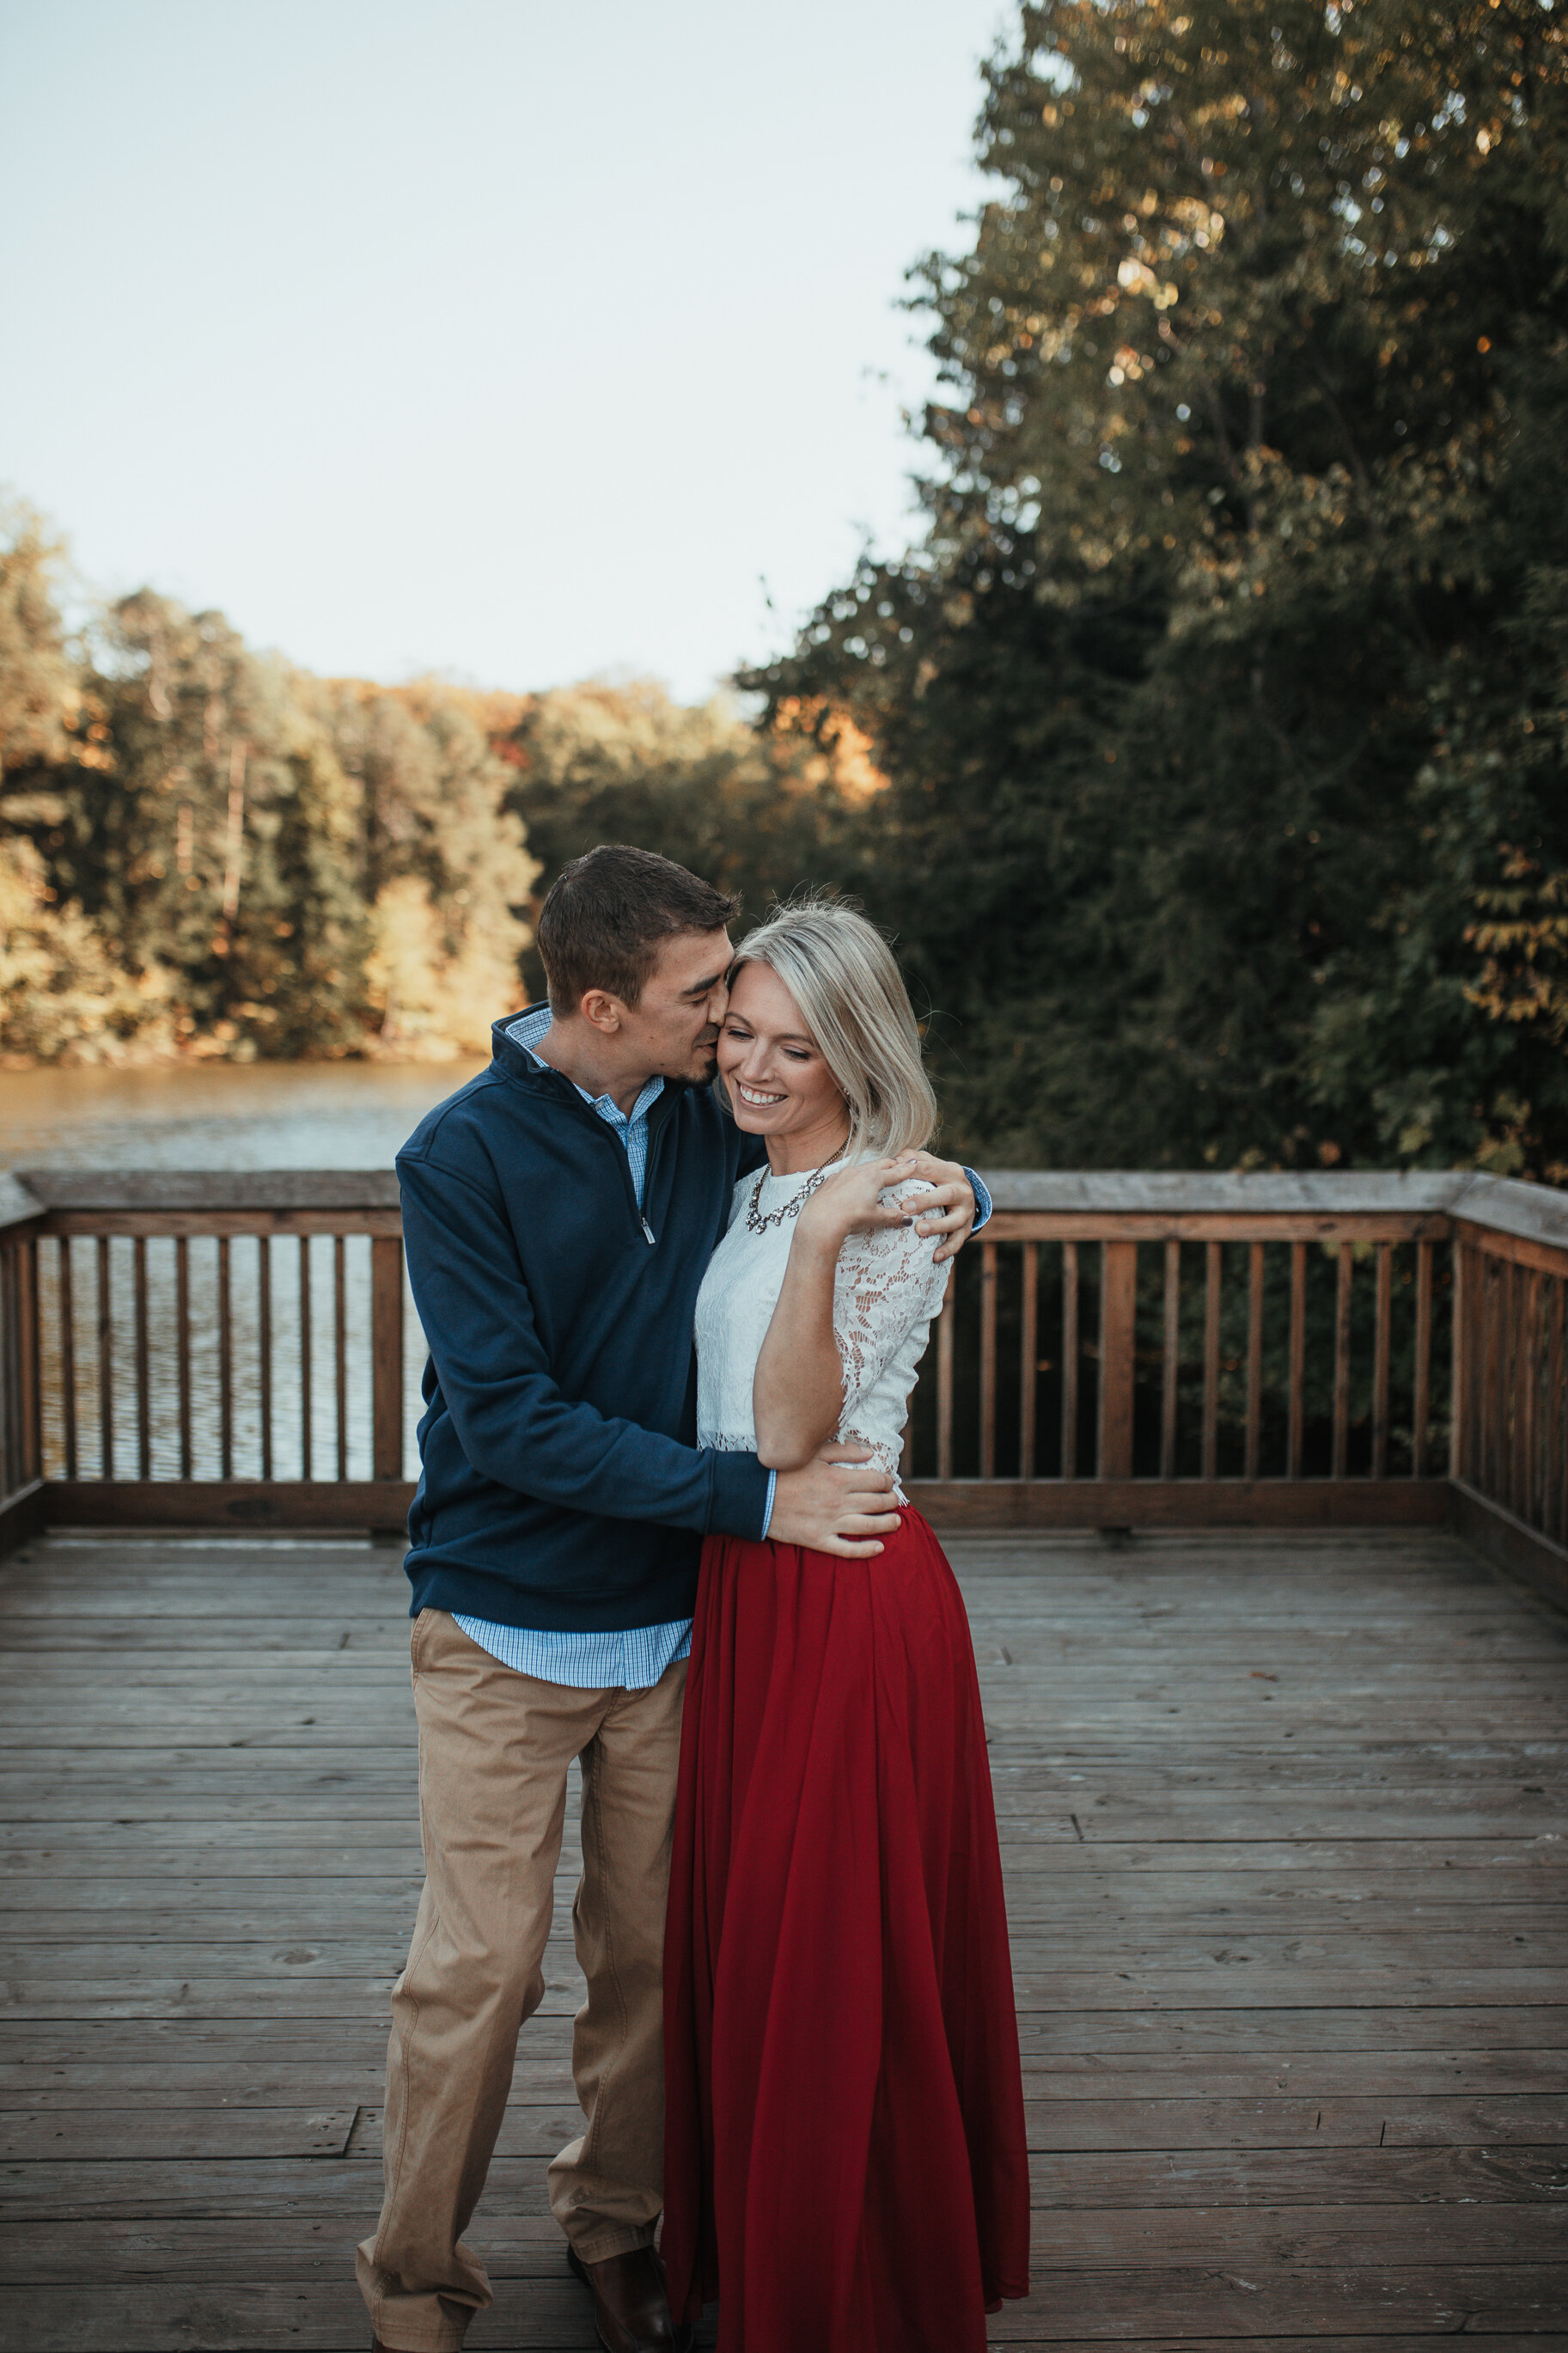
point(1285, 1823)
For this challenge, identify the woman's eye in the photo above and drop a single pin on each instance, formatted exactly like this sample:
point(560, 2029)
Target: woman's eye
point(797, 1054)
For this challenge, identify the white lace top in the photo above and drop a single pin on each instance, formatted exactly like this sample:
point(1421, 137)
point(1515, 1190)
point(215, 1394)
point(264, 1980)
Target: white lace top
point(886, 1292)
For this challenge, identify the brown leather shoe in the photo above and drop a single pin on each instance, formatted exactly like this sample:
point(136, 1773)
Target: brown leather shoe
point(631, 2303)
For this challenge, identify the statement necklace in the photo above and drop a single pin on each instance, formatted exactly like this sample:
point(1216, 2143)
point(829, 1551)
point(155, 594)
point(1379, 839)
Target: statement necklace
point(758, 1220)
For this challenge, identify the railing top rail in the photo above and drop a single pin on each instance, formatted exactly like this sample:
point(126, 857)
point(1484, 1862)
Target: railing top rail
point(1097, 1191)
point(1534, 1212)
point(151, 1190)
point(18, 1202)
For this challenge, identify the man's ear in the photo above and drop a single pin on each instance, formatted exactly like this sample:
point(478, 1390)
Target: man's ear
point(602, 1011)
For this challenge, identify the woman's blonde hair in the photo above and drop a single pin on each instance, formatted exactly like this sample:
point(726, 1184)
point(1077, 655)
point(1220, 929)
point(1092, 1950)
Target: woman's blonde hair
point(841, 973)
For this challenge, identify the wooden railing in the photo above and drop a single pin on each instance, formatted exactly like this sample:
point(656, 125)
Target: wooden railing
point(187, 1349)
point(1118, 1350)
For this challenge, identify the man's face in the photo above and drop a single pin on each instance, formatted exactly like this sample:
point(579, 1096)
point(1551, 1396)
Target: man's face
point(674, 1025)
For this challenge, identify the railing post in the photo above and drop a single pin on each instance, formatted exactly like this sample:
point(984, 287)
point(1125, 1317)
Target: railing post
point(30, 1363)
point(944, 1378)
point(1117, 1332)
point(988, 1360)
point(386, 1357)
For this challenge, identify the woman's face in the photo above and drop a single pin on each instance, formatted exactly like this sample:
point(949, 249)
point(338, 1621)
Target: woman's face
point(771, 1067)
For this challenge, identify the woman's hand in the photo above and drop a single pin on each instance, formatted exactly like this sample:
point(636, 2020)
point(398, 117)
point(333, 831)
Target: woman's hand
point(851, 1203)
point(950, 1211)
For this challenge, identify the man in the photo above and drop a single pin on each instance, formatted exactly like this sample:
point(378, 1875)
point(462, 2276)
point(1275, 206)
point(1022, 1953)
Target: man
point(559, 1214)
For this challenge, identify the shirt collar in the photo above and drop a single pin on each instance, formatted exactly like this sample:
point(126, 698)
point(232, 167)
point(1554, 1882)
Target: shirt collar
point(529, 1031)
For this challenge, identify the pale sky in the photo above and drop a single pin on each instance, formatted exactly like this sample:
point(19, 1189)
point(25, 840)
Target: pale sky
point(511, 341)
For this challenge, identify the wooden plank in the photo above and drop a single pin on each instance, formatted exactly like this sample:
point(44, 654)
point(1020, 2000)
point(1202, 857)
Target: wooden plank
point(1254, 1361)
point(987, 1359)
point(105, 1366)
point(24, 1515)
point(224, 1364)
point(1383, 1326)
point(11, 1476)
point(305, 1391)
point(967, 1503)
point(944, 1378)
point(144, 1383)
point(1513, 1249)
point(181, 1349)
point(1421, 1405)
point(1290, 2123)
point(1501, 1536)
point(225, 1223)
point(1557, 1408)
point(1211, 1362)
point(264, 1349)
point(1240, 1225)
point(231, 1504)
point(1511, 1483)
point(386, 1357)
point(1341, 1406)
point(195, 2134)
point(159, 1191)
point(1284, 2304)
point(319, 2311)
point(1464, 1317)
point(20, 1206)
point(1295, 1408)
point(1172, 1365)
point(1069, 1360)
point(1531, 1289)
point(218, 2249)
point(340, 1350)
point(1325, 2237)
point(29, 1362)
point(1210, 1191)
point(67, 1321)
point(1118, 1354)
point(1494, 1389)
point(1029, 1358)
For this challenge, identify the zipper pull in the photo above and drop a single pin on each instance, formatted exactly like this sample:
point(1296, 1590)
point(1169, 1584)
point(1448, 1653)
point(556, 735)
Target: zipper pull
point(648, 1232)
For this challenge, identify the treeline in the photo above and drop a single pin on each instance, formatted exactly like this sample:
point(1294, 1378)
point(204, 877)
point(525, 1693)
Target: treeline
point(1206, 757)
point(208, 851)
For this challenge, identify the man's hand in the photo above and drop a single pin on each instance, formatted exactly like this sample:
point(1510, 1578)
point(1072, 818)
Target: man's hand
point(840, 1502)
point(951, 1213)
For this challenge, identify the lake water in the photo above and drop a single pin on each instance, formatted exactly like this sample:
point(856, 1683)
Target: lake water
point(220, 1114)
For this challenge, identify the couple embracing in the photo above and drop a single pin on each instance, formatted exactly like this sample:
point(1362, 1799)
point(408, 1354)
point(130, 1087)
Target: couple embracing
point(799, 2042)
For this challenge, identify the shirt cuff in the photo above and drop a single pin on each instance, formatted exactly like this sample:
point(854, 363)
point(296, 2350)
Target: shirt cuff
point(768, 1506)
point(982, 1200)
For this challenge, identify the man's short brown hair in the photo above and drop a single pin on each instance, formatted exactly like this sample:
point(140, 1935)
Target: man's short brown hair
point(606, 913)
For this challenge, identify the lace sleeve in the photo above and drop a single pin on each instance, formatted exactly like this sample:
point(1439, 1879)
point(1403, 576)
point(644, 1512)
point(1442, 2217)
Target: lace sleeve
point(885, 1285)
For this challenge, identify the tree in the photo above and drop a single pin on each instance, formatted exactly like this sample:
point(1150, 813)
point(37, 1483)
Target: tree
point(440, 861)
point(1252, 456)
point(755, 811)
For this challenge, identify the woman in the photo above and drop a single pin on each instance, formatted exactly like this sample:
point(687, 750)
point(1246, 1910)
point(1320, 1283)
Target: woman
point(845, 2152)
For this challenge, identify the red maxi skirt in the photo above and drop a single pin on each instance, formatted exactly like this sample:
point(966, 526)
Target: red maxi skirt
point(844, 2158)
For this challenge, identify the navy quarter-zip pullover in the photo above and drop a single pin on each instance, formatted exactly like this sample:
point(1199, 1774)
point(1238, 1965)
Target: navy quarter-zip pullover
point(561, 1486)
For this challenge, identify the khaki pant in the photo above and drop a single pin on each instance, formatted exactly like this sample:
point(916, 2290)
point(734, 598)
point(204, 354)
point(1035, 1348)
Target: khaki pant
point(494, 1749)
